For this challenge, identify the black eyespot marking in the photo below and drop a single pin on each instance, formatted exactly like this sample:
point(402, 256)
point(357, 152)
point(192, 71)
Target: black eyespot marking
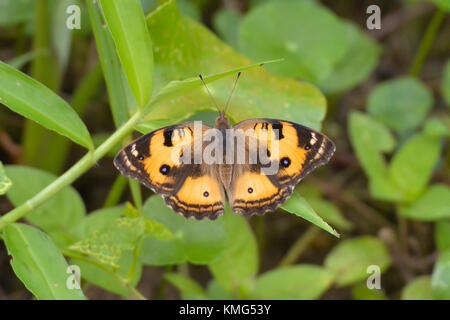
point(268, 153)
point(206, 194)
point(250, 190)
point(164, 169)
point(307, 147)
point(168, 137)
point(285, 162)
point(141, 158)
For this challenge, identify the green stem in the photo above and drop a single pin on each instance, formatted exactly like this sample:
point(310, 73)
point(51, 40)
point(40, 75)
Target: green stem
point(116, 192)
point(299, 246)
point(136, 194)
point(72, 174)
point(426, 42)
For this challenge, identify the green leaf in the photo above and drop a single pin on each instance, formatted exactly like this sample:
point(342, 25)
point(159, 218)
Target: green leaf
point(5, 182)
point(13, 11)
point(226, 23)
point(445, 87)
point(412, 166)
point(433, 205)
point(97, 220)
point(38, 263)
point(298, 206)
point(350, 259)
point(370, 139)
point(190, 290)
point(36, 102)
point(178, 40)
point(110, 280)
point(239, 260)
point(105, 219)
point(108, 244)
point(215, 291)
point(58, 215)
point(112, 71)
point(442, 234)
point(418, 289)
point(126, 22)
point(402, 104)
point(356, 65)
point(440, 279)
point(361, 292)
point(330, 213)
point(308, 36)
point(198, 242)
point(443, 4)
point(300, 282)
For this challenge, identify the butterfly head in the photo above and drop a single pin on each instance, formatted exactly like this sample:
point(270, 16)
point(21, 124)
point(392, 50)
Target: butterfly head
point(222, 121)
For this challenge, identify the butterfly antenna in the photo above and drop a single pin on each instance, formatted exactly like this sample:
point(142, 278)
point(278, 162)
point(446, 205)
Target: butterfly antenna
point(232, 90)
point(209, 92)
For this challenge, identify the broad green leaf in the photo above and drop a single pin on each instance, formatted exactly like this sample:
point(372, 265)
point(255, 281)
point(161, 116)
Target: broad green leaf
point(440, 279)
point(189, 288)
point(184, 49)
point(39, 264)
point(239, 260)
point(362, 292)
point(401, 104)
point(97, 220)
point(350, 259)
point(198, 242)
point(110, 281)
point(226, 23)
point(370, 139)
point(355, 66)
point(442, 234)
point(412, 166)
point(5, 182)
point(108, 244)
point(443, 4)
point(215, 291)
point(105, 219)
point(433, 205)
point(14, 11)
point(418, 289)
point(445, 87)
point(125, 20)
point(308, 36)
point(58, 215)
point(298, 206)
point(31, 99)
point(329, 212)
point(111, 67)
point(300, 282)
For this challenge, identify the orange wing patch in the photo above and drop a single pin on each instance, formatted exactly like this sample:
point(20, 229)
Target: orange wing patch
point(199, 197)
point(252, 192)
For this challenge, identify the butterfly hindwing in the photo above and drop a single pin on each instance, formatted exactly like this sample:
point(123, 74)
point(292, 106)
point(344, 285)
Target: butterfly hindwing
point(155, 160)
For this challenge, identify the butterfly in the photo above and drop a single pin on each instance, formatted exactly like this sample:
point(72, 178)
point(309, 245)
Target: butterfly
point(256, 163)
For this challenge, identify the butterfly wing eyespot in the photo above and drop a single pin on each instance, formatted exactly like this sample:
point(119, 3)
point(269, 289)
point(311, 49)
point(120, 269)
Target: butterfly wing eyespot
point(300, 151)
point(150, 160)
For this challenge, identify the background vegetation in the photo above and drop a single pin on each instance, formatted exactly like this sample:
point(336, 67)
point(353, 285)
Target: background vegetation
point(71, 98)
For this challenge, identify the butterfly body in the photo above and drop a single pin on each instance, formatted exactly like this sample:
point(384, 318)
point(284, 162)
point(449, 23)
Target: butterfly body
point(256, 163)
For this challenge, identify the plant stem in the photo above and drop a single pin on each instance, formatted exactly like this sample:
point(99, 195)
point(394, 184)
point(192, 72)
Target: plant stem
point(116, 192)
point(72, 174)
point(299, 246)
point(426, 42)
